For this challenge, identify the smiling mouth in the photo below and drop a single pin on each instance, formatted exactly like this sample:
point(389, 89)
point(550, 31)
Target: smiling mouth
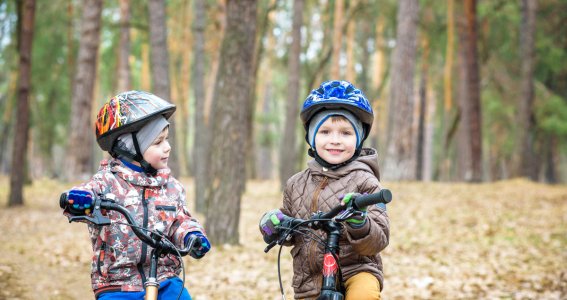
point(335, 151)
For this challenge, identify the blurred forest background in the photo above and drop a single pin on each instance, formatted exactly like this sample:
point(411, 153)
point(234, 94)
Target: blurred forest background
point(468, 95)
point(471, 91)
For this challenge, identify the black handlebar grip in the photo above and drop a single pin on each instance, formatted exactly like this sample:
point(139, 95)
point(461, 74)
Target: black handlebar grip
point(383, 196)
point(63, 201)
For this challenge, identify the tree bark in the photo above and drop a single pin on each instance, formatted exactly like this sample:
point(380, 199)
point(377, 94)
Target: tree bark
point(337, 39)
point(18, 170)
point(202, 131)
point(526, 117)
point(124, 49)
point(401, 150)
point(473, 83)
point(160, 69)
point(289, 153)
point(81, 142)
point(230, 132)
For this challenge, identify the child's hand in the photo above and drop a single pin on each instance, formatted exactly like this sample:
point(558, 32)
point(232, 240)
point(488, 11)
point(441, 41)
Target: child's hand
point(269, 223)
point(201, 246)
point(80, 202)
point(359, 216)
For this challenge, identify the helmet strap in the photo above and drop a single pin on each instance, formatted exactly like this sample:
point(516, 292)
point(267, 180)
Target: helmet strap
point(329, 166)
point(138, 157)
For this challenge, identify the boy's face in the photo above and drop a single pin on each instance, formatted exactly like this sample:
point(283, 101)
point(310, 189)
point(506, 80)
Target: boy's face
point(335, 141)
point(157, 153)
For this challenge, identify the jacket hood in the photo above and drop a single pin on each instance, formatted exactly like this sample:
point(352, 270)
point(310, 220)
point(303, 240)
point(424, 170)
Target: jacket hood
point(367, 161)
point(136, 178)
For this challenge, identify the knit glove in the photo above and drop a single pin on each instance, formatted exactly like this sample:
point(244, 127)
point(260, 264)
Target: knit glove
point(80, 202)
point(359, 217)
point(269, 223)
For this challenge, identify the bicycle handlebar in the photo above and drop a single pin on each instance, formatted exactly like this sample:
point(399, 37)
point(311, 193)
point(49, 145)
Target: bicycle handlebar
point(383, 196)
point(153, 239)
point(360, 202)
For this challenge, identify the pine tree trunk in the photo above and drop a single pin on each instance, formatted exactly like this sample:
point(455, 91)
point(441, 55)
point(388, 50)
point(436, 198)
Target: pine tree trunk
point(289, 154)
point(401, 150)
point(124, 49)
point(19, 164)
point(473, 91)
point(337, 40)
point(463, 165)
point(201, 137)
point(229, 137)
point(160, 70)
point(81, 142)
point(526, 117)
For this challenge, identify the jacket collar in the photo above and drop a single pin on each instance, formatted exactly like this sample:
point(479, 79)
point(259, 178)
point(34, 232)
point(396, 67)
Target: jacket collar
point(142, 179)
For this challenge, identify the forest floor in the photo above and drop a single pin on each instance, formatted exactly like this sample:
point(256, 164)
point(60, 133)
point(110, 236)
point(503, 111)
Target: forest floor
point(503, 240)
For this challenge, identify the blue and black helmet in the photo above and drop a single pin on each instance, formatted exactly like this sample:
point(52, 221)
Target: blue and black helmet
point(338, 94)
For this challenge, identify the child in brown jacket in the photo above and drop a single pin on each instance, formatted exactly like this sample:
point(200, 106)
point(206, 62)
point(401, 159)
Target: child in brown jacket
point(337, 118)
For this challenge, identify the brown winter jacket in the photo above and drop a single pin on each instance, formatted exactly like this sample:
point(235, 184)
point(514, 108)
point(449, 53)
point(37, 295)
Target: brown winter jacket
point(317, 188)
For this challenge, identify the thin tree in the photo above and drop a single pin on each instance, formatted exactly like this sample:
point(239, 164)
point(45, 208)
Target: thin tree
point(526, 118)
point(124, 49)
point(337, 39)
point(288, 154)
point(160, 68)
point(473, 90)
point(401, 150)
point(232, 91)
point(79, 160)
point(25, 35)
point(202, 129)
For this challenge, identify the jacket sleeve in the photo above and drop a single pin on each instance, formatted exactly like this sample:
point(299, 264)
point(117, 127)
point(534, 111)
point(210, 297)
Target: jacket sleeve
point(286, 208)
point(184, 223)
point(374, 235)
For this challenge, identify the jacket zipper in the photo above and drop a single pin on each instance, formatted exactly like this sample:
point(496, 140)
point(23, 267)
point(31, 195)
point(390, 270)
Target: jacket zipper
point(100, 259)
point(144, 246)
point(312, 247)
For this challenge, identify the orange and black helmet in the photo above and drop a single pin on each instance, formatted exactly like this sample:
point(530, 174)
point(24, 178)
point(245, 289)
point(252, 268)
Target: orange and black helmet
point(128, 112)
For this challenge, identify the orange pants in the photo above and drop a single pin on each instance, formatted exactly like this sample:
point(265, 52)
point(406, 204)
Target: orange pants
point(362, 286)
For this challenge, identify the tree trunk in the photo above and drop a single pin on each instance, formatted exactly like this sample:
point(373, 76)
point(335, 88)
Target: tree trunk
point(264, 161)
point(160, 69)
point(448, 68)
point(463, 165)
point(81, 142)
point(422, 112)
point(124, 49)
point(526, 117)
point(19, 164)
point(473, 91)
point(337, 40)
point(289, 153)
point(401, 150)
point(229, 136)
point(350, 44)
point(201, 137)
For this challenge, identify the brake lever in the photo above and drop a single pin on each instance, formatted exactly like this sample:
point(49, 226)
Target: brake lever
point(345, 215)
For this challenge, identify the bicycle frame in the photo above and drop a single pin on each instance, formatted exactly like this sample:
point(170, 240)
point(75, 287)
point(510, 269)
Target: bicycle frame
point(329, 222)
point(161, 247)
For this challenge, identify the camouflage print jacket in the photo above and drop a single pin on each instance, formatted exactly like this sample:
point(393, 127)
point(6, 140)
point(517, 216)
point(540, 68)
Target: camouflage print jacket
point(120, 260)
point(319, 189)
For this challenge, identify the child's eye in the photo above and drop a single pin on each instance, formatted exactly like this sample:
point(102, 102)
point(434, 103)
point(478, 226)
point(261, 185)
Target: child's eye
point(324, 131)
point(347, 133)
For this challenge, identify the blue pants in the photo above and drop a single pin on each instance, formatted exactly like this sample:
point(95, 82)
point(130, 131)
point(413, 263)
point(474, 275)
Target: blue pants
point(168, 290)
